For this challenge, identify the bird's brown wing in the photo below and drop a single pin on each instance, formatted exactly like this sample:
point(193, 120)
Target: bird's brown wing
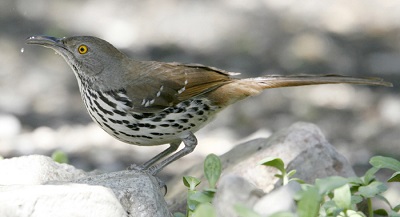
point(160, 85)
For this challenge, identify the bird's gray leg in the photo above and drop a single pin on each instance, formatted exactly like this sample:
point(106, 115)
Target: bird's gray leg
point(172, 147)
point(190, 142)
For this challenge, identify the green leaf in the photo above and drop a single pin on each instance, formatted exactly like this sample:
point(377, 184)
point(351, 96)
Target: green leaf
point(204, 210)
point(372, 189)
point(245, 211)
point(211, 190)
point(212, 169)
point(300, 181)
point(59, 156)
point(342, 197)
point(274, 162)
point(381, 212)
point(202, 197)
point(191, 182)
point(328, 184)
point(370, 175)
point(179, 214)
point(329, 208)
point(355, 181)
point(385, 162)
point(291, 173)
point(304, 187)
point(397, 208)
point(308, 205)
point(355, 199)
point(191, 204)
point(395, 177)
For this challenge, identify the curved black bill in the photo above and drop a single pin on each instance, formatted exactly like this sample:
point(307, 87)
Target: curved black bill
point(44, 40)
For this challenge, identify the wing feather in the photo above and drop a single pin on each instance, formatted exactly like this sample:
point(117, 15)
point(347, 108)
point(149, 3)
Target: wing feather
point(160, 85)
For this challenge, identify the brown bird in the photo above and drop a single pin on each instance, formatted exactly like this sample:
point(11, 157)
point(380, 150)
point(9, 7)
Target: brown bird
point(151, 103)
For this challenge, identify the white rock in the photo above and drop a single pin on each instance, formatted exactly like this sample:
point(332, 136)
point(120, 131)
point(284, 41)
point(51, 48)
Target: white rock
point(35, 170)
point(37, 186)
point(59, 200)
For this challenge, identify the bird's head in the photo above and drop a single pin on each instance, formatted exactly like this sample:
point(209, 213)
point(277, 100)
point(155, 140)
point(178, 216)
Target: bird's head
point(90, 58)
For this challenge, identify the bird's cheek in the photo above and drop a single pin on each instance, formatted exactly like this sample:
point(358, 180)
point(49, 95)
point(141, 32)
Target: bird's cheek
point(94, 68)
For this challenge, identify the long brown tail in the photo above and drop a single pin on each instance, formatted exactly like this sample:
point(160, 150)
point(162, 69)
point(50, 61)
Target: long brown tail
point(242, 88)
point(275, 81)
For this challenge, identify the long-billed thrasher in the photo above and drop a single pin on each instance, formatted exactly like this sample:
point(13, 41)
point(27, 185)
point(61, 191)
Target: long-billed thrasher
point(151, 103)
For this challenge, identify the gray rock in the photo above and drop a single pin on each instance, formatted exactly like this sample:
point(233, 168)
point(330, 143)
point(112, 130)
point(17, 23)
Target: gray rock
point(302, 147)
point(269, 204)
point(38, 186)
point(233, 190)
point(139, 193)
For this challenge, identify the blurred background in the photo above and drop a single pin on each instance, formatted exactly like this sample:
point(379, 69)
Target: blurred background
point(41, 110)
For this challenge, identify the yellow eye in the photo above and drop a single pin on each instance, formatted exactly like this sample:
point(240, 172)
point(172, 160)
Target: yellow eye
point(82, 49)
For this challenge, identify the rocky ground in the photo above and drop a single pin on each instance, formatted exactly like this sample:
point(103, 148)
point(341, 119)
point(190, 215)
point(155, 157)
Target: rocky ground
point(37, 186)
point(41, 110)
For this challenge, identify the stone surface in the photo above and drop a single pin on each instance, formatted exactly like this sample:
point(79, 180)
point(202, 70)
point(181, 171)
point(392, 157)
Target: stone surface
point(37, 186)
point(139, 193)
point(302, 147)
point(278, 200)
point(58, 200)
point(35, 170)
point(233, 190)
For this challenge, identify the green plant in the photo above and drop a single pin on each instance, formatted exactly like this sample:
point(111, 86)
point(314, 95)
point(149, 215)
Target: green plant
point(59, 156)
point(327, 197)
point(278, 164)
point(199, 202)
point(338, 196)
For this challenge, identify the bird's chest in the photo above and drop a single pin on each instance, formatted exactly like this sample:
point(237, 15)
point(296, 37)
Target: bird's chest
point(114, 114)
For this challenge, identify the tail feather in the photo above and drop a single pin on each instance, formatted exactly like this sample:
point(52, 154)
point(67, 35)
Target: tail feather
point(275, 81)
point(241, 88)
